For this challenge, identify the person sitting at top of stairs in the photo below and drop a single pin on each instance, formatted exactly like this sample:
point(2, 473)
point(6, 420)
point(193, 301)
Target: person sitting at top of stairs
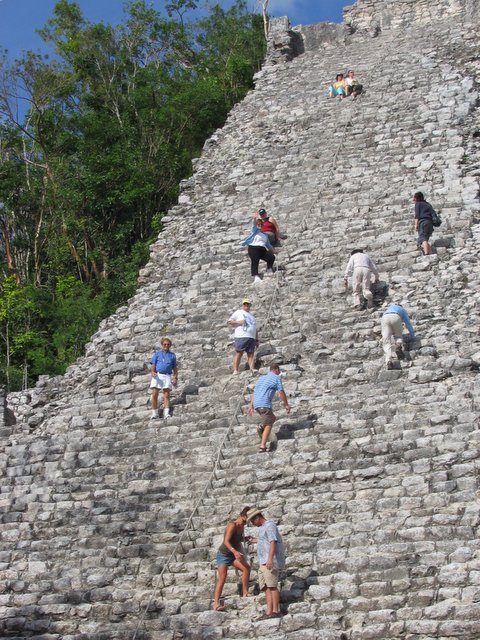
point(337, 88)
point(352, 85)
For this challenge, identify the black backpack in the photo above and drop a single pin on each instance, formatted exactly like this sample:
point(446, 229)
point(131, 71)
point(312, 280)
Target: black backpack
point(436, 220)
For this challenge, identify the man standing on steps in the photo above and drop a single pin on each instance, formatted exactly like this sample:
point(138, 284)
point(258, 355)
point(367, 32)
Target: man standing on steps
point(245, 336)
point(164, 372)
point(362, 267)
point(271, 559)
point(261, 402)
point(393, 319)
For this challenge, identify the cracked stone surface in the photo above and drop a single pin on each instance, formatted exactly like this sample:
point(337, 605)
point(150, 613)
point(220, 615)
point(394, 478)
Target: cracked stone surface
point(374, 476)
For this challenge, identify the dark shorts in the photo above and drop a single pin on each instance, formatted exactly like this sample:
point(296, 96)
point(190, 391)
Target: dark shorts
point(265, 415)
point(225, 558)
point(245, 344)
point(425, 230)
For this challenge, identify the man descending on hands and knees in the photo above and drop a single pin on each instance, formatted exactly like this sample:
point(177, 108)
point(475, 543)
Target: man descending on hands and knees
point(261, 403)
point(271, 559)
point(164, 372)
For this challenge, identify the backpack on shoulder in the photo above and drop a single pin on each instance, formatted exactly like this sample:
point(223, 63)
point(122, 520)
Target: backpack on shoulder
point(436, 220)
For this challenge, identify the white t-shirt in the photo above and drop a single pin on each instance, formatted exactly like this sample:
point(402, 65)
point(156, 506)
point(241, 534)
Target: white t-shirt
point(249, 327)
point(260, 240)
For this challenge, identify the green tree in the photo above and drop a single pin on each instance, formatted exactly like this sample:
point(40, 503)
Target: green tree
point(93, 159)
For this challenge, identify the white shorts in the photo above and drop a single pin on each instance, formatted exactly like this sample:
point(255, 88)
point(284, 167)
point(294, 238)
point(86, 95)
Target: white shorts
point(161, 381)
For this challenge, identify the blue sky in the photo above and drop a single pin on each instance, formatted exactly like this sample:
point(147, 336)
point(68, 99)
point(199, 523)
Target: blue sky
point(20, 18)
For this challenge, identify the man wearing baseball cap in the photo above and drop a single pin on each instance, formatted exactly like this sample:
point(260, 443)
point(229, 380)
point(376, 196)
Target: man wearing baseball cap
point(271, 559)
point(246, 335)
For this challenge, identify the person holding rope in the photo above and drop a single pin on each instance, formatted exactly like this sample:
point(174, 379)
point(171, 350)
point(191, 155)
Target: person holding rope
point(230, 553)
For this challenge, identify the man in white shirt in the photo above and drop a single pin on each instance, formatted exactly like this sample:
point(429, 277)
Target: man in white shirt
point(362, 267)
point(246, 335)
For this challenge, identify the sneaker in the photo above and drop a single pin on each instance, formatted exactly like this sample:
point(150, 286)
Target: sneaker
point(235, 372)
point(257, 280)
point(269, 272)
point(389, 364)
point(166, 414)
point(254, 371)
point(154, 415)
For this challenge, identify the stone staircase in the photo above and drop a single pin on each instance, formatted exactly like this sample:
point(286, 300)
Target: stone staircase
point(110, 521)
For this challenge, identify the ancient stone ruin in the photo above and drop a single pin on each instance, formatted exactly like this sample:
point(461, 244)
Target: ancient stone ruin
point(110, 521)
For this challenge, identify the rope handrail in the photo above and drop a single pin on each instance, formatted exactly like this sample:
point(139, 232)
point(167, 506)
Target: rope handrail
point(277, 286)
point(233, 419)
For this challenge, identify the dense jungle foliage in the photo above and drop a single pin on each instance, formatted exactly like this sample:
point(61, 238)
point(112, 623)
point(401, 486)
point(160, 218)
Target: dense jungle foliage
point(93, 145)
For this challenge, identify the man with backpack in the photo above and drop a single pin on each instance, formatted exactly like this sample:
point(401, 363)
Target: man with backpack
point(425, 219)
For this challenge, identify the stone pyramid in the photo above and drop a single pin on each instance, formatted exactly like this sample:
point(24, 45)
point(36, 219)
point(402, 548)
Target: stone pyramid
point(110, 521)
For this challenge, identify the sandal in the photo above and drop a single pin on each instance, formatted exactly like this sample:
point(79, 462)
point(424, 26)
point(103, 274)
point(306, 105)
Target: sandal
point(263, 450)
point(247, 595)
